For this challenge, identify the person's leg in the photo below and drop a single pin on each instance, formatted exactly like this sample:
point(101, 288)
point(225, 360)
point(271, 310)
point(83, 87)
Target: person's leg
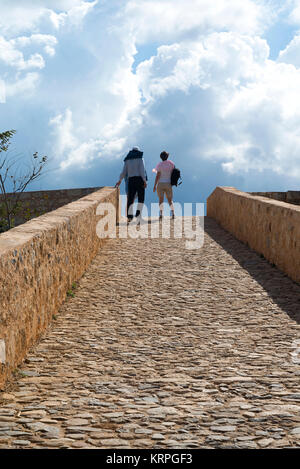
point(169, 195)
point(161, 205)
point(160, 194)
point(130, 197)
point(141, 197)
point(126, 192)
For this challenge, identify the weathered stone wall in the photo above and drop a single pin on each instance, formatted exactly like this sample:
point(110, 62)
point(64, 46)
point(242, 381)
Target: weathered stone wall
point(291, 197)
point(36, 203)
point(270, 227)
point(39, 261)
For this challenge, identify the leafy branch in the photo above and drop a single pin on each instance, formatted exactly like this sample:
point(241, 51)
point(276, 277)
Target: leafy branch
point(12, 172)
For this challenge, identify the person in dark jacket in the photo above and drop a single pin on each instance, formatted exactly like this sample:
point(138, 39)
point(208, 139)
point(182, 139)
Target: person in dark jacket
point(134, 171)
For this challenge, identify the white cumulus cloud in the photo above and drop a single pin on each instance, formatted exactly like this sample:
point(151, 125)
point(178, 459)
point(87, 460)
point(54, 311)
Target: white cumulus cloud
point(47, 41)
point(170, 19)
point(25, 40)
point(193, 74)
point(254, 117)
point(23, 86)
point(74, 15)
point(11, 56)
point(2, 91)
point(218, 60)
point(79, 153)
point(291, 54)
point(27, 15)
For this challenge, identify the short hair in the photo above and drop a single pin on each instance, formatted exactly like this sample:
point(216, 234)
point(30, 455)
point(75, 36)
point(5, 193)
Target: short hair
point(164, 155)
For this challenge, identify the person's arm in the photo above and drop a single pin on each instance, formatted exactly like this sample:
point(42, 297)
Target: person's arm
point(143, 172)
point(122, 175)
point(156, 180)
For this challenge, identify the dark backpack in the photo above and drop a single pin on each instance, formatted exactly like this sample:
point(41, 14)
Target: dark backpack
point(175, 176)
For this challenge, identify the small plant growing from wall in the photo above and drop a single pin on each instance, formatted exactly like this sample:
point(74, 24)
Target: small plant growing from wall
point(15, 176)
point(71, 291)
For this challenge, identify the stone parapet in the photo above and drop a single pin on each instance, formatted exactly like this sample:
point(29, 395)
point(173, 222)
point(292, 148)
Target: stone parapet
point(32, 204)
point(291, 197)
point(39, 262)
point(270, 227)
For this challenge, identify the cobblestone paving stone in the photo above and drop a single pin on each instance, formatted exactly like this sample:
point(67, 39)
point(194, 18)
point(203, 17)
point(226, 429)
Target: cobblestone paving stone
point(165, 347)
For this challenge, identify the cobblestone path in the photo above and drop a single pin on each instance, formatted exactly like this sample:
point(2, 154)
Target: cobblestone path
point(164, 347)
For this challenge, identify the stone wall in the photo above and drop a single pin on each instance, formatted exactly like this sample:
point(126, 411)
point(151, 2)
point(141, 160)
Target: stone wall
point(36, 203)
point(39, 261)
point(291, 197)
point(270, 227)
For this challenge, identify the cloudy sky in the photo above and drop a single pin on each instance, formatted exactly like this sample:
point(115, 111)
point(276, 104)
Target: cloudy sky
point(217, 84)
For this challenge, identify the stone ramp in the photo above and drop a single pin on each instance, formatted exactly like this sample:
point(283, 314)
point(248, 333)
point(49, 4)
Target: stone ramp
point(164, 347)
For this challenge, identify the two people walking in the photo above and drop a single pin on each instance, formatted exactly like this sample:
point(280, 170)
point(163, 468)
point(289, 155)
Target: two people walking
point(135, 174)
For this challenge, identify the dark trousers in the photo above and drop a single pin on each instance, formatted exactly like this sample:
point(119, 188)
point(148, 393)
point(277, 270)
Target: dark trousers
point(135, 187)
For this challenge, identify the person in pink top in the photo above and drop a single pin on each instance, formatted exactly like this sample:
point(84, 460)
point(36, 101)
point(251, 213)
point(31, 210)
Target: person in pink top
point(162, 182)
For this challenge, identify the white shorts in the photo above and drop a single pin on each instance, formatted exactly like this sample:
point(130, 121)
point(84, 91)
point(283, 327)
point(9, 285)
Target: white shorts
point(165, 188)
